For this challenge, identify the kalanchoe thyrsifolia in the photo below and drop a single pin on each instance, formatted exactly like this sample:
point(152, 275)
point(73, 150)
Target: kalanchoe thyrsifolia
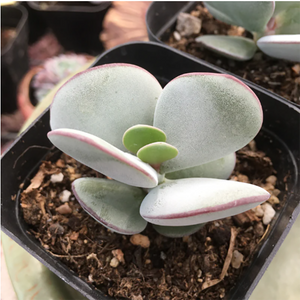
point(168, 151)
point(275, 27)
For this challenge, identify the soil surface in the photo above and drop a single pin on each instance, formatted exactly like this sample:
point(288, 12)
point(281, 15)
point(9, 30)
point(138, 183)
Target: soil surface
point(279, 76)
point(205, 265)
point(7, 34)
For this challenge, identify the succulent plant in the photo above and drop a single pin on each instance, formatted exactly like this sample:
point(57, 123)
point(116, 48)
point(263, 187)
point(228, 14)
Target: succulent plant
point(177, 137)
point(275, 29)
point(54, 70)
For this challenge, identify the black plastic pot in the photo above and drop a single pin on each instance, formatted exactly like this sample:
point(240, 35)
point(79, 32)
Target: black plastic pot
point(37, 25)
point(279, 138)
point(14, 59)
point(161, 20)
point(77, 25)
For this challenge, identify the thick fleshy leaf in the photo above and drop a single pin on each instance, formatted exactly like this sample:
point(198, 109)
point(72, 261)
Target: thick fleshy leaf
point(288, 21)
point(139, 136)
point(234, 47)
point(105, 101)
point(252, 15)
point(156, 153)
point(220, 168)
point(280, 6)
point(281, 46)
point(220, 113)
point(177, 231)
point(103, 157)
point(113, 204)
point(193, 201)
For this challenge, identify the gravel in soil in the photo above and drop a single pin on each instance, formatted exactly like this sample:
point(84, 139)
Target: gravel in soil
point(205, 265)
point(279, 76)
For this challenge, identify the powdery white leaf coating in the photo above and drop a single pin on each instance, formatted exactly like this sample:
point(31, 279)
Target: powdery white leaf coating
point(252, 15)
point(220, 168)
point(177, 231)
point(191, 201)
point(103, 157)
point(206, 116)
point(234, 47)
point(115, 205)
point(281, 46)
point(105, 101)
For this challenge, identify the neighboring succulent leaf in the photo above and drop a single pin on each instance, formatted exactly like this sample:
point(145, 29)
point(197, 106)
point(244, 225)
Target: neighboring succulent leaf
point(288, 21)
point(234, 47)
point(113, 204)
point(280, 6)
point(210, 116)
point(103, 157)
point(281, 46)
point(105, 101)
point(220, 168)
point(177, 231)
point(139, 136)
point(156, 153)
point(191, 201)
point(252, 15)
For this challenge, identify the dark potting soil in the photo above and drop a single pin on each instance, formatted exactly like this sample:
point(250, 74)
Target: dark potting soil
point(7, 34)
point(205, 265)
point(279, 76)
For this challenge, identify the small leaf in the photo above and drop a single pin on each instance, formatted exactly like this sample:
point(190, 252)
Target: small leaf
point(113, 204)
point(185, 202)
point(234, 47)
point(105, 101)
point(157, 153)
point(251, 15)
point(103, 157)
point(281, 6)
point(139, 136)
point(210, 116)
point(220, 168)
point(177, 231)
point(281, 46)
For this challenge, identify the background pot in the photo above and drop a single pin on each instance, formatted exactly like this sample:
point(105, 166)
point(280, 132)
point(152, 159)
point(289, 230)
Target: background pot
point(77, 25)
point(161, 20)
point(14, 59)
point(279, 138)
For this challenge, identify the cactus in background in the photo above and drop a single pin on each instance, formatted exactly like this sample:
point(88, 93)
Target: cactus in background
point(275, 28)
point(177, 137)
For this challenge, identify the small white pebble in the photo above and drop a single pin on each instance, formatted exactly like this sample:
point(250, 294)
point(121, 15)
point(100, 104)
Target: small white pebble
point(272, 179)
point(273, 200)
point(177, 35)
point(64, 196)
point(163, 256)
point(114, 262)
point(259, 212)
point(237, 259)
point(57, 177)
point(269, 213)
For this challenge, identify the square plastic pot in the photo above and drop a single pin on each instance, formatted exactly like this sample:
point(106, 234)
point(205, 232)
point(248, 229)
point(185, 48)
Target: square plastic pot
point(14, 58)
point(279, 138)
point(77, 25)
point(161, 20)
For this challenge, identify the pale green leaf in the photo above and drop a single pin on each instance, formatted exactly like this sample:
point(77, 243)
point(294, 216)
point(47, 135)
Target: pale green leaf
point(252, 15)
point(113, 204)
point(191, 201)
point(220, 168)
point(177, 231)
point(104, 158)
point(210, 116)
point(105, 101)
point(234, 47)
